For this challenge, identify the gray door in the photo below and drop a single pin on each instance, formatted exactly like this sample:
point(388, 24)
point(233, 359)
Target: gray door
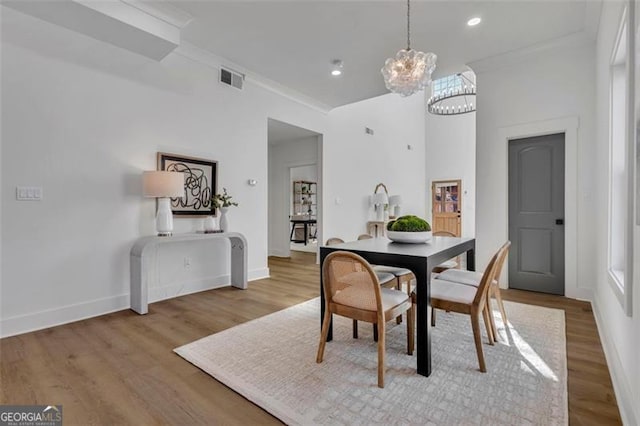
point(536, 214)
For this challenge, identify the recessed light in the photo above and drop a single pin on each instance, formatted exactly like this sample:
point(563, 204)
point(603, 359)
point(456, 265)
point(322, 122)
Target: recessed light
point(474, 21)
point(336, 67)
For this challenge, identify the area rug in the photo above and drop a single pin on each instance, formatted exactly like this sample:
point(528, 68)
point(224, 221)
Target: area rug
point(271, 362)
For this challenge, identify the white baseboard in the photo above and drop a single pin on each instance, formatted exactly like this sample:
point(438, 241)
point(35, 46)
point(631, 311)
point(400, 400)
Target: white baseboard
point(258, 274)
point(62, 315)
point(280, 253)
point(621, 385)
point(80, 311)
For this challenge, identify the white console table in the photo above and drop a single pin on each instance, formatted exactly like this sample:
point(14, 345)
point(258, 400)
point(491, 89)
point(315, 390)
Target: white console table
point(139, 259)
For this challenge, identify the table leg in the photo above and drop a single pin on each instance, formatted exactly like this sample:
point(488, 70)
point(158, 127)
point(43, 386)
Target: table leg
point(471, 259)
point(323, 255)
point(293, 228)
point(306, 233)
point(423, 312)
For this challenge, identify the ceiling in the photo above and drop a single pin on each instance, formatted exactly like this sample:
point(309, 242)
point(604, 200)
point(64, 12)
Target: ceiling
point(294, 42)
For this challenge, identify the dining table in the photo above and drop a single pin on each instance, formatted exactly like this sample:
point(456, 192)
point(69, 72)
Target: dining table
point(420, 259)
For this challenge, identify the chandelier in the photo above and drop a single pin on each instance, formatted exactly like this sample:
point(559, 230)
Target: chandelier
point(455, 98)
point(409, 71)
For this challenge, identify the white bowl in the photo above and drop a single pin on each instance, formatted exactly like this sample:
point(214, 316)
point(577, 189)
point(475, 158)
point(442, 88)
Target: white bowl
point(409, 237)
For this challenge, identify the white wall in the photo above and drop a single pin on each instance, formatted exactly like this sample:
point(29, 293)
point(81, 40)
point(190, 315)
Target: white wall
point(519, 100)
point(83, 119)
point(283, 156)
point(356, 162)
point(620, 334)
point(451, 154)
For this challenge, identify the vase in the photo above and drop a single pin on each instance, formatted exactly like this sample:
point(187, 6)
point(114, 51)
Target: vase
point(224, 224)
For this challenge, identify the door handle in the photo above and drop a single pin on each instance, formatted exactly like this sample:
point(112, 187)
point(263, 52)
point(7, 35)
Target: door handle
point(559, 221)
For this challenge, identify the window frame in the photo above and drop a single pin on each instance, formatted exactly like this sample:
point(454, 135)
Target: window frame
point(622, 288)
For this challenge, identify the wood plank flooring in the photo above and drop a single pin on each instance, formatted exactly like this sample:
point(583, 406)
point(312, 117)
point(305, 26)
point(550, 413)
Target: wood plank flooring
point(120, 368)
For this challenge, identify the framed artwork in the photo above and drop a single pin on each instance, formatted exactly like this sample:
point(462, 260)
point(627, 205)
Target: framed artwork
point(200, 184)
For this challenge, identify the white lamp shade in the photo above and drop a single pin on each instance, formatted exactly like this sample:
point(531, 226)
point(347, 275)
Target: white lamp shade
point(162, 184)
point(380, 198)
point(395, 200)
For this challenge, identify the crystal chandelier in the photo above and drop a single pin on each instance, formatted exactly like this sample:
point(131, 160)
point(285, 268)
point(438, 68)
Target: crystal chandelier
point(409, 71)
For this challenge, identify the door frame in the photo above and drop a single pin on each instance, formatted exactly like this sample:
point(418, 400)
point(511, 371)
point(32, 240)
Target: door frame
point(569, 126)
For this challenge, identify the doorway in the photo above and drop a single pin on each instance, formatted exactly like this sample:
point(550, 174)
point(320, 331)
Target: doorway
point(446, 202)
point(536, 213)
point(294, 154)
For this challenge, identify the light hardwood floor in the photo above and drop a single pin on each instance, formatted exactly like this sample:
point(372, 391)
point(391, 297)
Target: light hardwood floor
point(120, 368)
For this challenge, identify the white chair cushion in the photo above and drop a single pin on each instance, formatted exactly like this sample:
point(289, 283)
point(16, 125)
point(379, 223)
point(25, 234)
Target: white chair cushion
point(398, 272)
point(449, 264)
point(365, 299)
point(384, 277)
point(451, 291)
point(463, 277)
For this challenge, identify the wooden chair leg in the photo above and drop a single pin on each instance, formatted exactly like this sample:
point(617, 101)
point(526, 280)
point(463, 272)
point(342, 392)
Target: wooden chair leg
point(487, 324)
point(375, 333)
point(410, 324)
point(503, 313)
point(381, 360)
point(355, 329)
point(475, 325)
point(323, 335)
point(493, 321)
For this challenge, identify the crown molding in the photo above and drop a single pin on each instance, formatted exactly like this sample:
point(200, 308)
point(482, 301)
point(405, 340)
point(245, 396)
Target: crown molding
point(211, 60)
point(571, 41)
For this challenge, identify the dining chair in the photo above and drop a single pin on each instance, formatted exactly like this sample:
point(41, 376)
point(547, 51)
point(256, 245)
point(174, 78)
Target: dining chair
point(403, 276)
point(449, 264)
point(473, 278)
point(469, 300)
point(385, 279)
point(351, 289)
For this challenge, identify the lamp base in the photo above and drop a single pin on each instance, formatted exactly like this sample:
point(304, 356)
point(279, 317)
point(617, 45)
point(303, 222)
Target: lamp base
point(164, 217)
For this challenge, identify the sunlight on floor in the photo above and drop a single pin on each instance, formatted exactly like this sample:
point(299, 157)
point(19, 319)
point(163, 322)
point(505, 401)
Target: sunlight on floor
point(532, 361)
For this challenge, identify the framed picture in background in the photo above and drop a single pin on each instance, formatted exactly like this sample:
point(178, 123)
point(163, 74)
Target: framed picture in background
point(200, 184)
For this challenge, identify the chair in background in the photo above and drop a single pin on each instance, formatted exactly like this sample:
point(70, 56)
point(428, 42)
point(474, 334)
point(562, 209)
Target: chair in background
point(473, 278)
point(449, 264)
point(385, 279)
point(352, 290)
point(466, 299)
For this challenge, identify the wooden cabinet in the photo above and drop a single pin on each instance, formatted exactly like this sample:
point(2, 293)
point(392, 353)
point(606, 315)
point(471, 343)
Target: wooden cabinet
point(305, 196)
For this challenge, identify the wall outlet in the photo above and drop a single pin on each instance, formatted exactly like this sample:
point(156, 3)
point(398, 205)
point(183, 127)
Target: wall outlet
point(187, 262)
point(29, 193)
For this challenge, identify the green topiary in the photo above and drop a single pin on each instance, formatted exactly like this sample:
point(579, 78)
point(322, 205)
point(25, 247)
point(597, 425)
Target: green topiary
point(409, 223)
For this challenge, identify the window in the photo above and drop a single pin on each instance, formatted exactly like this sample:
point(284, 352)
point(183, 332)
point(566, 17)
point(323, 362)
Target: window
point(450, 83)
point(620, 187)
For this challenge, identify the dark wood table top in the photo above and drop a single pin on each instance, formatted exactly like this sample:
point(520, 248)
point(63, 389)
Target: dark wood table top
point(386, 246)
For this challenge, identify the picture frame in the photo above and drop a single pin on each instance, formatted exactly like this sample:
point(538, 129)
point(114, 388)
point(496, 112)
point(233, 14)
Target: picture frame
point(201, 183)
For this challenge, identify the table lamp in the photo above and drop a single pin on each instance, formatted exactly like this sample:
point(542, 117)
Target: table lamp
point(163, 185)
point(394, 206)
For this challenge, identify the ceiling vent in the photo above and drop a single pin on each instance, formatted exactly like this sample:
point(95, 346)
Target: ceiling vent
point(231, 78)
